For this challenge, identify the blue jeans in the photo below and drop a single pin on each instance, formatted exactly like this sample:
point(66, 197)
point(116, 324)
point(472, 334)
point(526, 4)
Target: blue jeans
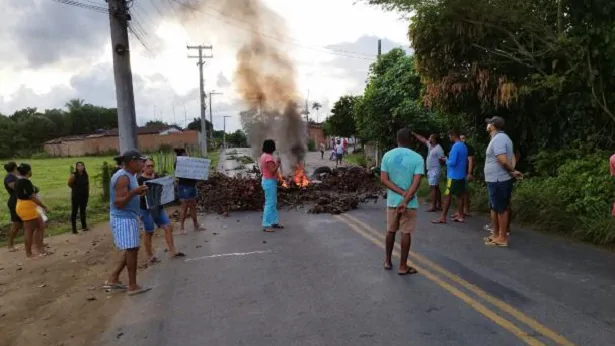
point(150, 222)
point(499, 195)
point(270, 212)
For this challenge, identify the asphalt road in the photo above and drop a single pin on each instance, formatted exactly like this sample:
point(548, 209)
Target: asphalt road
point(321, 282)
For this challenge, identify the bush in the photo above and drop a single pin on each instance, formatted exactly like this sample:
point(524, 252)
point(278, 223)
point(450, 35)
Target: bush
point(311, 144)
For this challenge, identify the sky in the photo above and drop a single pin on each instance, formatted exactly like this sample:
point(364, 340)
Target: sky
point(52, 52)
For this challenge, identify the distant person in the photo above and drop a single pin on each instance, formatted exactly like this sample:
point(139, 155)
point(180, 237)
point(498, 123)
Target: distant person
point(188, 194)
point(339, 153)
point(345, 143)
point(499, 176)
point(79, 183)
point(157, 218)
point(124, 213)
point(434, 169)
point(9, 184)
point(119, 164)
point(469, 178)
point(269, 169)
point(456, 171)
point(28, 209)
point(401, 172)
point(322, 150)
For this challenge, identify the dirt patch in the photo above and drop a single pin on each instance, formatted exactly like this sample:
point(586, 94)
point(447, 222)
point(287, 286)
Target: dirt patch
point(58, 300)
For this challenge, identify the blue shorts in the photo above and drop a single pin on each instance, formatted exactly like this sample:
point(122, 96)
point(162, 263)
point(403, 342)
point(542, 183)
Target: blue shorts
point(433, 177)
point(150, 222)
point(125, 232)
point(186, 193)
point(499, 195)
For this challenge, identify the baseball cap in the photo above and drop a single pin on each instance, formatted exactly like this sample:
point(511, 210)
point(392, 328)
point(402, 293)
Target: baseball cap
point(132, 155)
point(496, 121)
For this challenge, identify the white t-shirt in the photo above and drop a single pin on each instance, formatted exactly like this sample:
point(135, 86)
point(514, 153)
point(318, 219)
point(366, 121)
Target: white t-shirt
point(339, 148)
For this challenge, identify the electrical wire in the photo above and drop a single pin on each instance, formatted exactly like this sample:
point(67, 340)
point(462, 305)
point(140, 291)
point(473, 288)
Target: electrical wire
point(90, 6)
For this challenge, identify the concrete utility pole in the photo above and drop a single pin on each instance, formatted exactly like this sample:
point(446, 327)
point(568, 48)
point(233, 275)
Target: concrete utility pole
point(126, 115)
point(378, 144)
point(211, 118)
point(224, 135)
point(202, 94)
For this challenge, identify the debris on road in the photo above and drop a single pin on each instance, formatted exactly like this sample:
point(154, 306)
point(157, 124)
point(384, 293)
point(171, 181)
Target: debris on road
point(335, 192)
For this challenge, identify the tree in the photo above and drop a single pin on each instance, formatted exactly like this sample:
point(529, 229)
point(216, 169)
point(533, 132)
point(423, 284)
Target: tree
point(316, 106)
point(195, 124)
point(74, 104)
point(342, 121)
point(156, 123)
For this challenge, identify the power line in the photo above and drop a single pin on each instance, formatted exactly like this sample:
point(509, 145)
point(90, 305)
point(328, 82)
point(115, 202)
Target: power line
point(321, 49)
point(90, 6)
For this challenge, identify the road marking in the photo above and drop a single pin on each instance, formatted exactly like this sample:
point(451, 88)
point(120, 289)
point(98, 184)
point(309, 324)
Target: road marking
point(505, 307)
point(476, 305)
point(226, 255)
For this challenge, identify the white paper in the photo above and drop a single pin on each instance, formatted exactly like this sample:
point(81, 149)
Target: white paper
point(42, 213)
point(192, 168)
point(168, 189)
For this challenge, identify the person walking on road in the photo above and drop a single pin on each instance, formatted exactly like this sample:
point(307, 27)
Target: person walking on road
point(79, 183)
point(269, 170)
point(339, 153)
point(188, 194)
point(401, 172)
point(9, 184)
point(29, 208)
point(456, 171)
point(155, 218)
point(434, 172)
point(499, 176)
point(124, 220)
point(322, 150)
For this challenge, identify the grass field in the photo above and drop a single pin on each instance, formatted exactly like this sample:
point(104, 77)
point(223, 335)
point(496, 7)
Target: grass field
point(50, 175)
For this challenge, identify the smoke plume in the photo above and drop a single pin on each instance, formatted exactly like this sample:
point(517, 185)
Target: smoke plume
point(264, 77)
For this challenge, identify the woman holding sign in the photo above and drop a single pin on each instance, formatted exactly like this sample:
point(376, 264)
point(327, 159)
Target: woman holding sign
point(188, 193)
point(151, 219)
point(269, 169)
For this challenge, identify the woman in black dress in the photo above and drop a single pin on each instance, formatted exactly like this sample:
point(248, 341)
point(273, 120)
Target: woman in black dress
point(79, 182)
point(9, 184)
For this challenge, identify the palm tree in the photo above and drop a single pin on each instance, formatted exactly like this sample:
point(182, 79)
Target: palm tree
point(317, 106)
point(74, 104)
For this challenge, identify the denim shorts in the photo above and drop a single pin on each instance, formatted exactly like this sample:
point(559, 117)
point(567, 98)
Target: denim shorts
point(150, 223)
point(186, 193)
point(499, 195)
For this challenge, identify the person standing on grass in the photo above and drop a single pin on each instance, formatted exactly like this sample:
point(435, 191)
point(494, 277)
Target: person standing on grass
point(124, 220)
point(401, 172)
point(434, 171)
point(469, 178)
point(151, 218)
point(269, 170)
point(339, 153)
point(27, 208)
point(188, 194)
point(499, 176)
point(456, 171)
point(79, 183)
point(9, 184)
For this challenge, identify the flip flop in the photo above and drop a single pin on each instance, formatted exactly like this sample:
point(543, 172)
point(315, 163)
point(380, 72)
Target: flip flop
point(154, 260)
point(116, 286)
point(460, 220)
point(179, 254)
point(277, 226)
point(438, 221)
point(268, 230)
point(409, 271)
point(388, 267)
point(495, 244)
point(139, 291)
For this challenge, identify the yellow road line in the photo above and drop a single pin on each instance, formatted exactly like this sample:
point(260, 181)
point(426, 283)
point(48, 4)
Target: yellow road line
point(479, 307)
point(520, 316)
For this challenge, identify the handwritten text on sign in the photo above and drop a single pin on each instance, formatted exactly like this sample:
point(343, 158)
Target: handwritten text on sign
point(192, 168)
point(166, 195)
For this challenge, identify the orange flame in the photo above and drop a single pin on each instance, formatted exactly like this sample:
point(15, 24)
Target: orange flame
point(300, 178)
point(282, 179)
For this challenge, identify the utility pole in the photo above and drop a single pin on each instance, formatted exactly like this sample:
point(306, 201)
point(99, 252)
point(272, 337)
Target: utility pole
point(211, 118)
point(224, 134)
point(378, 144)
point(202, 94)
point(126, 115)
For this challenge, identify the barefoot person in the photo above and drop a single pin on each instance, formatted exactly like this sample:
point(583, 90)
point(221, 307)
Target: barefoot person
point(456, 170)
point(401, 172)
point(187, 197)
point(79, 183)
point(434, 172)
point(27, 208)
point(152, 218)
point(124, 220)
point(499, 176)
point(9, 184)
point(269, 169)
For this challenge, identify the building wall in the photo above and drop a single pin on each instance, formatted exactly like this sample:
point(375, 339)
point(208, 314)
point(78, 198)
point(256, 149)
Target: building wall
point(101, 145)
point(316, 134)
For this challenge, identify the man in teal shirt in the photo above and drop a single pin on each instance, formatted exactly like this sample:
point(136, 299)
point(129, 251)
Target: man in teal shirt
point(401, 172)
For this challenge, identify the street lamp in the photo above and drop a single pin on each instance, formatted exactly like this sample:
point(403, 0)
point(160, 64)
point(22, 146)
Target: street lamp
point(224, 135)
point(211, 119)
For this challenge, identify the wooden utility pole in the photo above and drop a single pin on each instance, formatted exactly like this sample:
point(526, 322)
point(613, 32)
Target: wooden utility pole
point(126, 116)
point(202, 94)
point(211, 118)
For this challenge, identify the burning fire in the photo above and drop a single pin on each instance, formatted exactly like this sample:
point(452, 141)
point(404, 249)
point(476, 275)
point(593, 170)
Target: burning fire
point(300, 178)
point(282, 179)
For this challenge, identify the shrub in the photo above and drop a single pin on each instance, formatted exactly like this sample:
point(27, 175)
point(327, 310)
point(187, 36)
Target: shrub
point(311, 144)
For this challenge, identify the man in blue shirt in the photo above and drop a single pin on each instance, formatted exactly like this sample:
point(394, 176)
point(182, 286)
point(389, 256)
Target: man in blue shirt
point(401, 172)
point(456, 171)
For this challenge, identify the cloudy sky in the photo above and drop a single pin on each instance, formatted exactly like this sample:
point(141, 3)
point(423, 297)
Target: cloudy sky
point(52, 52)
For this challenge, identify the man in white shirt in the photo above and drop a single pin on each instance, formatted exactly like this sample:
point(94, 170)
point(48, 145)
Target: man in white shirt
point(339, 153)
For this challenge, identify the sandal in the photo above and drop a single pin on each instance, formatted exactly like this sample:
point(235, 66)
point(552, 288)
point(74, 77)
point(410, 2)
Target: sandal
point(438, 221)
point(496, 244)
point(139, 291)
point(268, 230)
point(277, 226)
point(408, 271)
point(115, 286)
point(459, 219)
point(388, 266)
point(179, 254)
point(154, 260)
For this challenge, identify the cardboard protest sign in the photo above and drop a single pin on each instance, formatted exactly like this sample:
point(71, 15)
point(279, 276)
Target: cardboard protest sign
point(192, 168)
point(160, 191)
